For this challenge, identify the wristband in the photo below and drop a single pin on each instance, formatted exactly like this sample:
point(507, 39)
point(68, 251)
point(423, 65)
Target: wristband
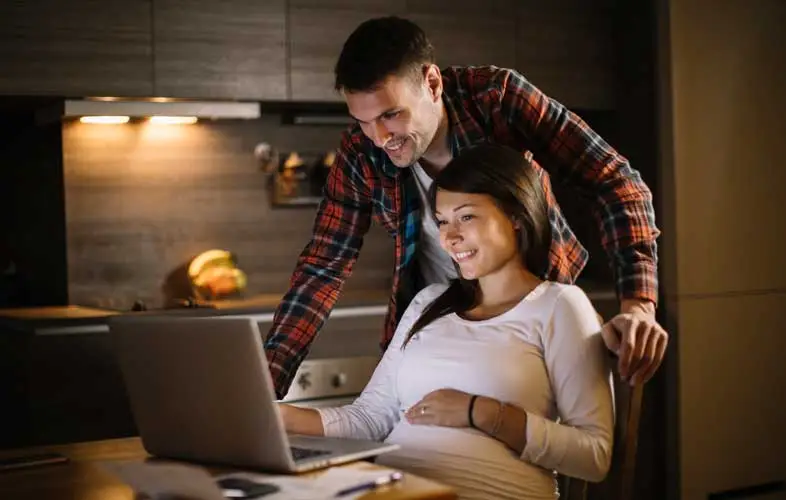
point(470, 410)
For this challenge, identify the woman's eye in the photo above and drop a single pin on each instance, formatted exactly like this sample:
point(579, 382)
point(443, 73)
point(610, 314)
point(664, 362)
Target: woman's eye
point(467, 218)
point(440, 222)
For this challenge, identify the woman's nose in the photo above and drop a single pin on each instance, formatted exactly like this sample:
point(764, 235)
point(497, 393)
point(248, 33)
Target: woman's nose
point(453, 235)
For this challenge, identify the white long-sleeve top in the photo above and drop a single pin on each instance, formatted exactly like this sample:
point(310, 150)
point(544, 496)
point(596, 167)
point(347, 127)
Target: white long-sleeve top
point(545, 355)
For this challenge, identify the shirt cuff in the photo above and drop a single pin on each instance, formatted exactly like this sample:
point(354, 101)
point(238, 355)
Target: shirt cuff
point(640, 282)
point(331, 421)
point(543, 447)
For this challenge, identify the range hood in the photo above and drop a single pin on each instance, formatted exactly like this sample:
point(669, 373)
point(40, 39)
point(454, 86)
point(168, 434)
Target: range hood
point(150, 109)
point(138, 108)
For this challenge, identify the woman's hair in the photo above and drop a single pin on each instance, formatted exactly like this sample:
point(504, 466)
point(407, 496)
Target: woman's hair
point(516, 187)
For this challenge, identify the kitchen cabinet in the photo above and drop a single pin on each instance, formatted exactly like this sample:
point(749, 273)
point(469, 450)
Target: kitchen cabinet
point(233, 49)
point(60, 389)
point(566, 48)
point(317, 31)
point(82, 47)
point(287, 49)
point(467, 32)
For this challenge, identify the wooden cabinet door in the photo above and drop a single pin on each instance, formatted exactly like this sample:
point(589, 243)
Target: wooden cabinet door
point(317, 32)
point(468, 32)
point(565, 48)
point(232, 49)
point(75, 48)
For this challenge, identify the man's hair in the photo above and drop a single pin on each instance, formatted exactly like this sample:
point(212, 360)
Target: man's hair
point(379, 48)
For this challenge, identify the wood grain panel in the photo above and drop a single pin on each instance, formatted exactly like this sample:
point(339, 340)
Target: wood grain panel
point(230, 49)
point(468, 33)
point(142, 200)
point(78, 48)
point(565, 47)
point(730, 365)
point(316, 36)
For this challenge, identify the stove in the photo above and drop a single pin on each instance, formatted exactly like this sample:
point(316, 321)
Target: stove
point(330, 381)
point(341, 360)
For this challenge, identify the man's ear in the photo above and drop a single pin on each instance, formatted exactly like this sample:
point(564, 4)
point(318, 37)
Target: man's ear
point(433, 79)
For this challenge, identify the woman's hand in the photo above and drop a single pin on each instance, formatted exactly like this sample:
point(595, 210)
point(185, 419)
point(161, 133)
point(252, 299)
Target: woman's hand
point(445, 407)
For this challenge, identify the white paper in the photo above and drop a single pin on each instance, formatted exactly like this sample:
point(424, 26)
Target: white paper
point(317, 485)
point(161, 481)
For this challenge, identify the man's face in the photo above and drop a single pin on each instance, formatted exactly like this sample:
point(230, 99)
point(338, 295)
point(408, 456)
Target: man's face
point(401, 116)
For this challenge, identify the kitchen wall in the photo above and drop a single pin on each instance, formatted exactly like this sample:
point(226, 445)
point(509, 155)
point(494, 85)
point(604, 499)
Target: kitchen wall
point(142, 199)
point(722, 85)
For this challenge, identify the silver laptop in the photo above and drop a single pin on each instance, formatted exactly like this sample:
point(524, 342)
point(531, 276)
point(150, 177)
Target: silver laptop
point(200, 390)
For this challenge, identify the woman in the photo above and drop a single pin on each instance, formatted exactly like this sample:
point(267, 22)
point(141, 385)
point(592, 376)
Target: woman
point(498, 379)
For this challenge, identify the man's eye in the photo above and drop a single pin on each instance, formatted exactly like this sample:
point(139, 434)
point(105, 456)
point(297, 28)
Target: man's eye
point(391, 115)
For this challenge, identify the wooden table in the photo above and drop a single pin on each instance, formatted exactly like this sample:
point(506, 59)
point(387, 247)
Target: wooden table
point(82, 479)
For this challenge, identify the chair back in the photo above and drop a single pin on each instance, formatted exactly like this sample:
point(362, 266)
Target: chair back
point(618, 484)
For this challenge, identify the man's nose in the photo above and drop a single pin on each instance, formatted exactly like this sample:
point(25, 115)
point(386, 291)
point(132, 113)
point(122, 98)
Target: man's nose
point(380, 134)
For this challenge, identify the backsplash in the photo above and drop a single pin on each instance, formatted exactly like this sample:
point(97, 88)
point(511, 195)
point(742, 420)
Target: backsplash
point(142, 199)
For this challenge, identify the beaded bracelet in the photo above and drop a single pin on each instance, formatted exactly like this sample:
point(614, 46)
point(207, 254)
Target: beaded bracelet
point(498, 419)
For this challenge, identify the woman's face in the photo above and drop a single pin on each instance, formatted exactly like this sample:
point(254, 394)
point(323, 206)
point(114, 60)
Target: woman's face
point(476, 233)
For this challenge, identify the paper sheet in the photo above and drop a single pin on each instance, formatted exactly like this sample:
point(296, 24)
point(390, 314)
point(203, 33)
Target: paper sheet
point(161, 481)
point(315, 486)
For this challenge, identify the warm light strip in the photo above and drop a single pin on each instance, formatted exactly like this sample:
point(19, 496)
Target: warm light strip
point(173, 120)
point(104, 120)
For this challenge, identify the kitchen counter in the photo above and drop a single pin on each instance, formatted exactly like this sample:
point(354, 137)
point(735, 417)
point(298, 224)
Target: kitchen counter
point(62, 320)
point(62, 382)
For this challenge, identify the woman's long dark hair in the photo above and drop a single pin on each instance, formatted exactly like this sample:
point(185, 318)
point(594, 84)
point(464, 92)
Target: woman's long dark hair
point(509, 177)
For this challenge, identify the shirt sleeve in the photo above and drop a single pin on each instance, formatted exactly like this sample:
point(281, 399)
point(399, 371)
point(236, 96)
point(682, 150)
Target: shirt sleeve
point(566, 147)
point(376, 411)
point(343, 218)
point(580, 444)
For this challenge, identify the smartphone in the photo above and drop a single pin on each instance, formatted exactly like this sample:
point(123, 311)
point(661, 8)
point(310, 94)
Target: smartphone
point(30, 461)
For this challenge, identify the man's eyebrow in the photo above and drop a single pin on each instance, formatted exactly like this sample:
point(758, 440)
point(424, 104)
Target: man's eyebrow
point(386, 112)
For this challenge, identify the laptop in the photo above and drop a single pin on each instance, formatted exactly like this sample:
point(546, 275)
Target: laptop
point(200, 390)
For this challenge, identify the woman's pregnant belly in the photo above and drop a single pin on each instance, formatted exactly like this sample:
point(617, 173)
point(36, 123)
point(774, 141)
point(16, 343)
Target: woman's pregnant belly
point(476, 465)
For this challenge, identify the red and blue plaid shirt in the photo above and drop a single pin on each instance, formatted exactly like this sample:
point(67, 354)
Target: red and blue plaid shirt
point(484, 104)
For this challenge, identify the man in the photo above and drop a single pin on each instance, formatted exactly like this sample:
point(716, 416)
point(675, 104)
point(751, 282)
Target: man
point(411, 120)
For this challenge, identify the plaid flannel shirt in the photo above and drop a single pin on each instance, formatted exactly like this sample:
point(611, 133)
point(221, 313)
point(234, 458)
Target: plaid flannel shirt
point(484, 104)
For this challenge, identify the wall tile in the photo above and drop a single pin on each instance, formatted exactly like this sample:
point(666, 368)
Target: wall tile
point(142, 200)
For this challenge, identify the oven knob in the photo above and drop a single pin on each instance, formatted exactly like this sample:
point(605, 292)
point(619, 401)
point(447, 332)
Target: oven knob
point(339, 380)
point(304, 380)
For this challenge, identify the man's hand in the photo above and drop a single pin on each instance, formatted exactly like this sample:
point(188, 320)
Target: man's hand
point(637, 339)
point(445, 407)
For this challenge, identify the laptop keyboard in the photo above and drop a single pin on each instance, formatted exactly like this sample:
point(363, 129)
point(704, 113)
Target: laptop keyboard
point(303, 453)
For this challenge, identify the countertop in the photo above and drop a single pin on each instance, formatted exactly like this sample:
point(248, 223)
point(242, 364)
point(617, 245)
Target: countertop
point(81, 319)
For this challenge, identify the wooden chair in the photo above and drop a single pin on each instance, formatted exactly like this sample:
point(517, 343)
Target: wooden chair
point(618, 484)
